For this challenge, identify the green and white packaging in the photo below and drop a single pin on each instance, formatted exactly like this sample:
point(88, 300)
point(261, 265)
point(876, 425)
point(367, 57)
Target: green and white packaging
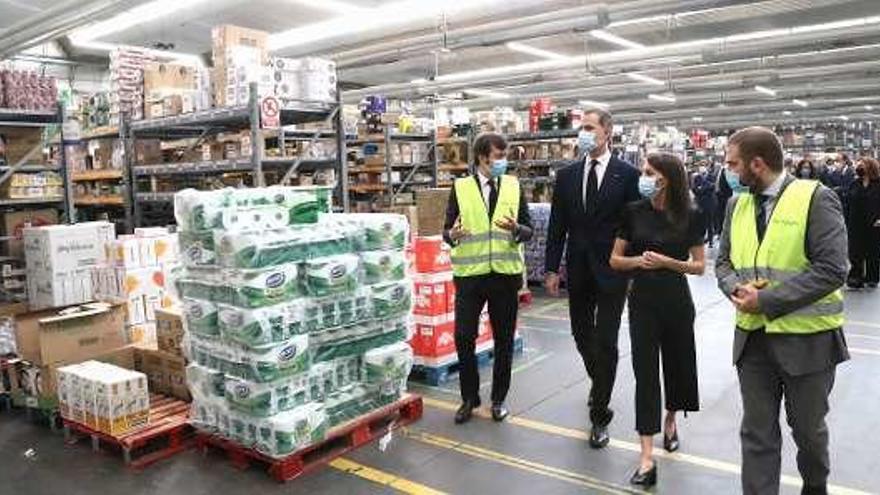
point(275, 247)
point(254, 218)
point(332, 274)
point(273, 363)
point(200, 317)
point(267, 399)
point(388, 367)
point(261, 287)
point(262, 327)
point(205, 383)
point(338, 310)
point(201, 210)
point(197, 248)
point(298, 428)
point(383, 266)
point(392, 299)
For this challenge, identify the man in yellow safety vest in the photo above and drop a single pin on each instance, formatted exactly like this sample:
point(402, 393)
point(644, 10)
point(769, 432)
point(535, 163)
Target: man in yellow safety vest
point(487, 219)
point(782, 262)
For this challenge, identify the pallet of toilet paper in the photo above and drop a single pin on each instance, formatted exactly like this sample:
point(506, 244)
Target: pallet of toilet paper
point(134, 273)
point(296, 319)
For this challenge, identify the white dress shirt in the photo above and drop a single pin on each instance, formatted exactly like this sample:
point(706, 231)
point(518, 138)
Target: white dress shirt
point(485, 187)
point(772, 194)
point(601, 167)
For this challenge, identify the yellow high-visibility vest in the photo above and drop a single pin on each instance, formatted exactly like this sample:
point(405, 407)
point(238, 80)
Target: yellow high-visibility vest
point(780, 257)
point(487, 249)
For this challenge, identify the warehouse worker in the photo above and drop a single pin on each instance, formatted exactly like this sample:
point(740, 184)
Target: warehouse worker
point(487, 218)
point(782, 261)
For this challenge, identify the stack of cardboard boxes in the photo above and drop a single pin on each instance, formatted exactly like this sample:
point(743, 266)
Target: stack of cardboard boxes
point(173, 89)
point(27, 90)
point(127, 83)
point(166, 367)
point(137, 267)
point(104, 397)
point(59, 260)
point(434, 309)
point(239, 56)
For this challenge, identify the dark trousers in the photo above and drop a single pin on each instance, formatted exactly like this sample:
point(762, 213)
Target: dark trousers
point(595, 323)
point(471, 295)
point(661, 321)
point(763, 385)
point(864, 256)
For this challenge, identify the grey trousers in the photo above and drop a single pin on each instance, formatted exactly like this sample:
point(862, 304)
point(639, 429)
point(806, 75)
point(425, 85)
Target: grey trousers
point(764, 385)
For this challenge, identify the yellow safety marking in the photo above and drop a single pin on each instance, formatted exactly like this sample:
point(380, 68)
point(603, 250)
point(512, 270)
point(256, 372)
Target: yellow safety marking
point(519, 463)
point(728, 467)
point(382, 478)
point(870, 352)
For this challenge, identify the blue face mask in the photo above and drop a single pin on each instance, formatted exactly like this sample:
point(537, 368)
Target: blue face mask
point(733, 181)
point(586, 142)
point(499, 168)
point(648, 186)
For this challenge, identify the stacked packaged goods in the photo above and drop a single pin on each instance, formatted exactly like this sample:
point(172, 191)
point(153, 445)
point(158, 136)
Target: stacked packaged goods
point(127, 83)
point(104, 397)
point(535, 249)
point(295, 319)
point(136, 270)
point(27, 90)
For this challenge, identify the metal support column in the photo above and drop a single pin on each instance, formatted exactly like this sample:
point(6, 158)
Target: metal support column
point(435, 149)
point(257, 143)
point(132, 190)
point(388, 169)
point(341, 154)
point(128, 178)
point(69, 206)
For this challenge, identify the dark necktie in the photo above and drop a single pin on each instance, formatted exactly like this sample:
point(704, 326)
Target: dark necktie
point(590, 195)
point(493, 197)
point(761, 215)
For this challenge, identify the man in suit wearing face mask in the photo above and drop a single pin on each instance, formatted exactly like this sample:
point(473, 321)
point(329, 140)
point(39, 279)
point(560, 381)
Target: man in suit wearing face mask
point(588, 203)
point(487, 220)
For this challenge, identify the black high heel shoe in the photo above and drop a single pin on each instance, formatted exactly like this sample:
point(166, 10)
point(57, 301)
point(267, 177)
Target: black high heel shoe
point(646, 479)
point(670, 444)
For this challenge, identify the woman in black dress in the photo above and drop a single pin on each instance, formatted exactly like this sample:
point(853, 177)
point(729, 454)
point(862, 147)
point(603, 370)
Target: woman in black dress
point(661, 240)
point(863, 225)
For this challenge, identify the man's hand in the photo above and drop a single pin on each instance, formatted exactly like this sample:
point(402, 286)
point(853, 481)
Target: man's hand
point(507, 223)
point(457, 233)
point(877, 223)
point(745, 298)
point(551, 283)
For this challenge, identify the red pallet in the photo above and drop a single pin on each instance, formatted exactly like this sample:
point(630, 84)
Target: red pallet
point(166, 434)
point(339, 441)
point(525, 297)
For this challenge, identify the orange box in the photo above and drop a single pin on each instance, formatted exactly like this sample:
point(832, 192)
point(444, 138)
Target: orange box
point(431, 298)
point(450, 295)
point(434, 337)
point(432, 255)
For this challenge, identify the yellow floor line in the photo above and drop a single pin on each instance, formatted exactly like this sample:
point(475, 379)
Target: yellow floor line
point(382, 478)
point(519, 463)
point(870, 352)
point(724, 466)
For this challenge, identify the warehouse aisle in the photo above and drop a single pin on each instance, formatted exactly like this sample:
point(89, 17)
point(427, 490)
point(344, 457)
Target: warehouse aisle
point(542, 449)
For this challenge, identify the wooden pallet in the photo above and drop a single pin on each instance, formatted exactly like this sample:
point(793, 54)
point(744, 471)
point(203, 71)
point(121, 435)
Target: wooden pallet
point(339, 441)
point(436, 371)
point(166, 434)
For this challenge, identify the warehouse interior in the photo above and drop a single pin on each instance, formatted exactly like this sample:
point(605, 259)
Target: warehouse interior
point(677, 76)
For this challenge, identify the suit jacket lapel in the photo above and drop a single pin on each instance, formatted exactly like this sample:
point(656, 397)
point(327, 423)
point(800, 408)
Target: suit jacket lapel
point(611, 179)
point(579, 185)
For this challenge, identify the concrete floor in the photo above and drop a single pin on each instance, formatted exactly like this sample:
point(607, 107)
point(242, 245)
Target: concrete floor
point(542, 449)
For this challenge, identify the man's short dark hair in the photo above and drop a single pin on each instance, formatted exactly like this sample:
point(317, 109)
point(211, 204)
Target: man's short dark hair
point(605, 119)
point(485, 142)
point(760, 142)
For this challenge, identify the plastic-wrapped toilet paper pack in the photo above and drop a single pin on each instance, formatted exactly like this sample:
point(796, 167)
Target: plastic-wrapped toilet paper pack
point(200, 317)
point(380, 230)
point(266, 365)
point(254, 218)
point(293, 430)
point(275, 247)
point(197, 248)
point(229, 208)
point(267, 399)
point(327, 377)
point(338, 310)
point(205, 383)
point(259, 287)
point(201, 210)
point(392, 299)
point(332, 274)
point(262, 327)
point(383, 266)
point(357, 339)
point(349, 402)
point(387, 368)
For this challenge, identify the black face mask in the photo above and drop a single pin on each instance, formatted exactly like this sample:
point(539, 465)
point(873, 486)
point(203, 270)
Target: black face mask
point(860, 172)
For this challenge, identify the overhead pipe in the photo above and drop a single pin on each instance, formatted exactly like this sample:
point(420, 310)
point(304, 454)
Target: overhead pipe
point(56, 22)
point(711, 49)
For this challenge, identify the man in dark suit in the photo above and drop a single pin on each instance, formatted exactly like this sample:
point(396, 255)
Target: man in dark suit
point(588, 202)
point(782, 262)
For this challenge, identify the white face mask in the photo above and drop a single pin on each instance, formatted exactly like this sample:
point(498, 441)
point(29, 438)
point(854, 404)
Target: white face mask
point(586, 142)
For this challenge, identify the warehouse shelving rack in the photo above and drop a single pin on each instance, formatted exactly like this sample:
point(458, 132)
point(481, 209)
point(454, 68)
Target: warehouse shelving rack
point(550, 164)
point(248, 117)
point(11, 118)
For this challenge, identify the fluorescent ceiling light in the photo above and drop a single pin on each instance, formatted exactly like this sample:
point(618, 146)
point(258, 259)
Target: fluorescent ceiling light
point(487, 93)
point(591, 103)
point(786, 112)
point(869, 107)
point(645, 79)
point(800, 103)
point(185, 58)
point(765, 90)
point(664, 98)
point(420, 80)
point(640, 20)
point(538, 52)
point(335, 6)
point(386, 15)
point(139, 15)
point(614, 39)
point(697, 119)
point(843, 117)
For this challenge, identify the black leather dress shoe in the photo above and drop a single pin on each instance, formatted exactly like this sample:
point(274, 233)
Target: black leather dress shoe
point(599, 437)
point(646, 479)
point(466, 411)
point(499, 412)
point(670, 443)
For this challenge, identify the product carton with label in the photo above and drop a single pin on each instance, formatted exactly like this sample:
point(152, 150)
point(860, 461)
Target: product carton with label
point(431, 298)
point(65, 248)
point(432, 255)
point(169, 331)
point(142, 335)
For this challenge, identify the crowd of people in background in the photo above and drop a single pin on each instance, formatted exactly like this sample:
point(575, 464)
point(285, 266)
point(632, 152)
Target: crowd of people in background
point(856, 183)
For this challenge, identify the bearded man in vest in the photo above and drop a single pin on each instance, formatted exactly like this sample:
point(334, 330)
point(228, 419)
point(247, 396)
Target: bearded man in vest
point(782, 262)
point(487, 219)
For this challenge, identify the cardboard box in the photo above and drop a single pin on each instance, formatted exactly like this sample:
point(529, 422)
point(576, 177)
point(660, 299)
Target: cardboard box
point(412, 215)
point(434, 337)
point(147, 151)
point(169, 331)
point(15, 222)
point(47, 337)
point(54, 290)
point(431, 254)
point(431, 298)
point(431, 205)
point(65, 248)
point(166, 372)
point(142, 335)
point(164, 79)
